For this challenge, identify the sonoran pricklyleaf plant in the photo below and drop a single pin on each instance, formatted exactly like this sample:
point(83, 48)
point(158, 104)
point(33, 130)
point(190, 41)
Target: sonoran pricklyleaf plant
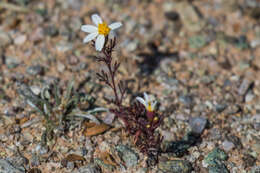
point(59, 108)
point(140, 118)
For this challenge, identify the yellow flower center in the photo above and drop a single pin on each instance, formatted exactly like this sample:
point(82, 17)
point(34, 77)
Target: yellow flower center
point(155, 119)
point(148, 126)
point(103, 29)
point(149, 108)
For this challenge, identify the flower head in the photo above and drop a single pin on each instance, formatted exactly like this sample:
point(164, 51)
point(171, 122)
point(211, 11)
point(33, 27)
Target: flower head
point(101, 30)
point(148, 102)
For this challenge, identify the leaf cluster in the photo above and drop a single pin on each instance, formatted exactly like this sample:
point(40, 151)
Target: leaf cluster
point(58, 107)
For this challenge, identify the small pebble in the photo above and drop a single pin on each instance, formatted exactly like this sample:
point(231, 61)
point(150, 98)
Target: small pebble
point(20, 39)
point(255, 43)
point(75, 4)
point(3, 138)
point(227, 145)
point(5, 39)
point(220, 107)
point(35, 89)
point(257, 126)
point(109, 118)
point(244, 86)
point(41, 149)
point(70, 165)
point(35, 70)
point(37, 35)
point(249, 96)
point(256, 148)
point(167, 135)
point(12, 62)
point(51, 31)
point(186, 100)
point(61, 67)
point(175, 166)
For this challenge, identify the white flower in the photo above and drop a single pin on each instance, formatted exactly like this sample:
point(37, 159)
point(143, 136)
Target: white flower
point(148, 102)
point(101, 30)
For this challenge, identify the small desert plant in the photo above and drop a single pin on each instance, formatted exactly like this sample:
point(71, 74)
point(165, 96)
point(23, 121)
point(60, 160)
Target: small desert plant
point(57, 108)
point(140, 118)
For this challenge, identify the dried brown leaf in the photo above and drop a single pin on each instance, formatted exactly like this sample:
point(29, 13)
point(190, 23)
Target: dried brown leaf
point(96, 129)
point(74, 157)
point(108, 159)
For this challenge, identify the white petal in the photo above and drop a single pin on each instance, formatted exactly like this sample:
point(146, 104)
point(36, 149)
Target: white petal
point(146, 97)
point(141, 100)
point(96, 19)
point(89, 28)
point(90, 37)
point(115, 25)
point(100, 42)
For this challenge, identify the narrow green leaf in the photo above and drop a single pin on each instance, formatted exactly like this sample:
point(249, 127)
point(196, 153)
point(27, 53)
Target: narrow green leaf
point(69, 90)
point(57, 95)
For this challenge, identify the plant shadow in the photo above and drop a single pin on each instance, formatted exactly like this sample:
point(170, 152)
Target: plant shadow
point(150, 61)
point(180, 147)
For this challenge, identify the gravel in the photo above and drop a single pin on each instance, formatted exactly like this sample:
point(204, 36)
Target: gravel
point(7, 166)
point(129, 157)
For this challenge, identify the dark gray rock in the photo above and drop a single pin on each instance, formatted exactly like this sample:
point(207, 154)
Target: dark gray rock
point(198, 124)
point(175, 166)
point(220, 107)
